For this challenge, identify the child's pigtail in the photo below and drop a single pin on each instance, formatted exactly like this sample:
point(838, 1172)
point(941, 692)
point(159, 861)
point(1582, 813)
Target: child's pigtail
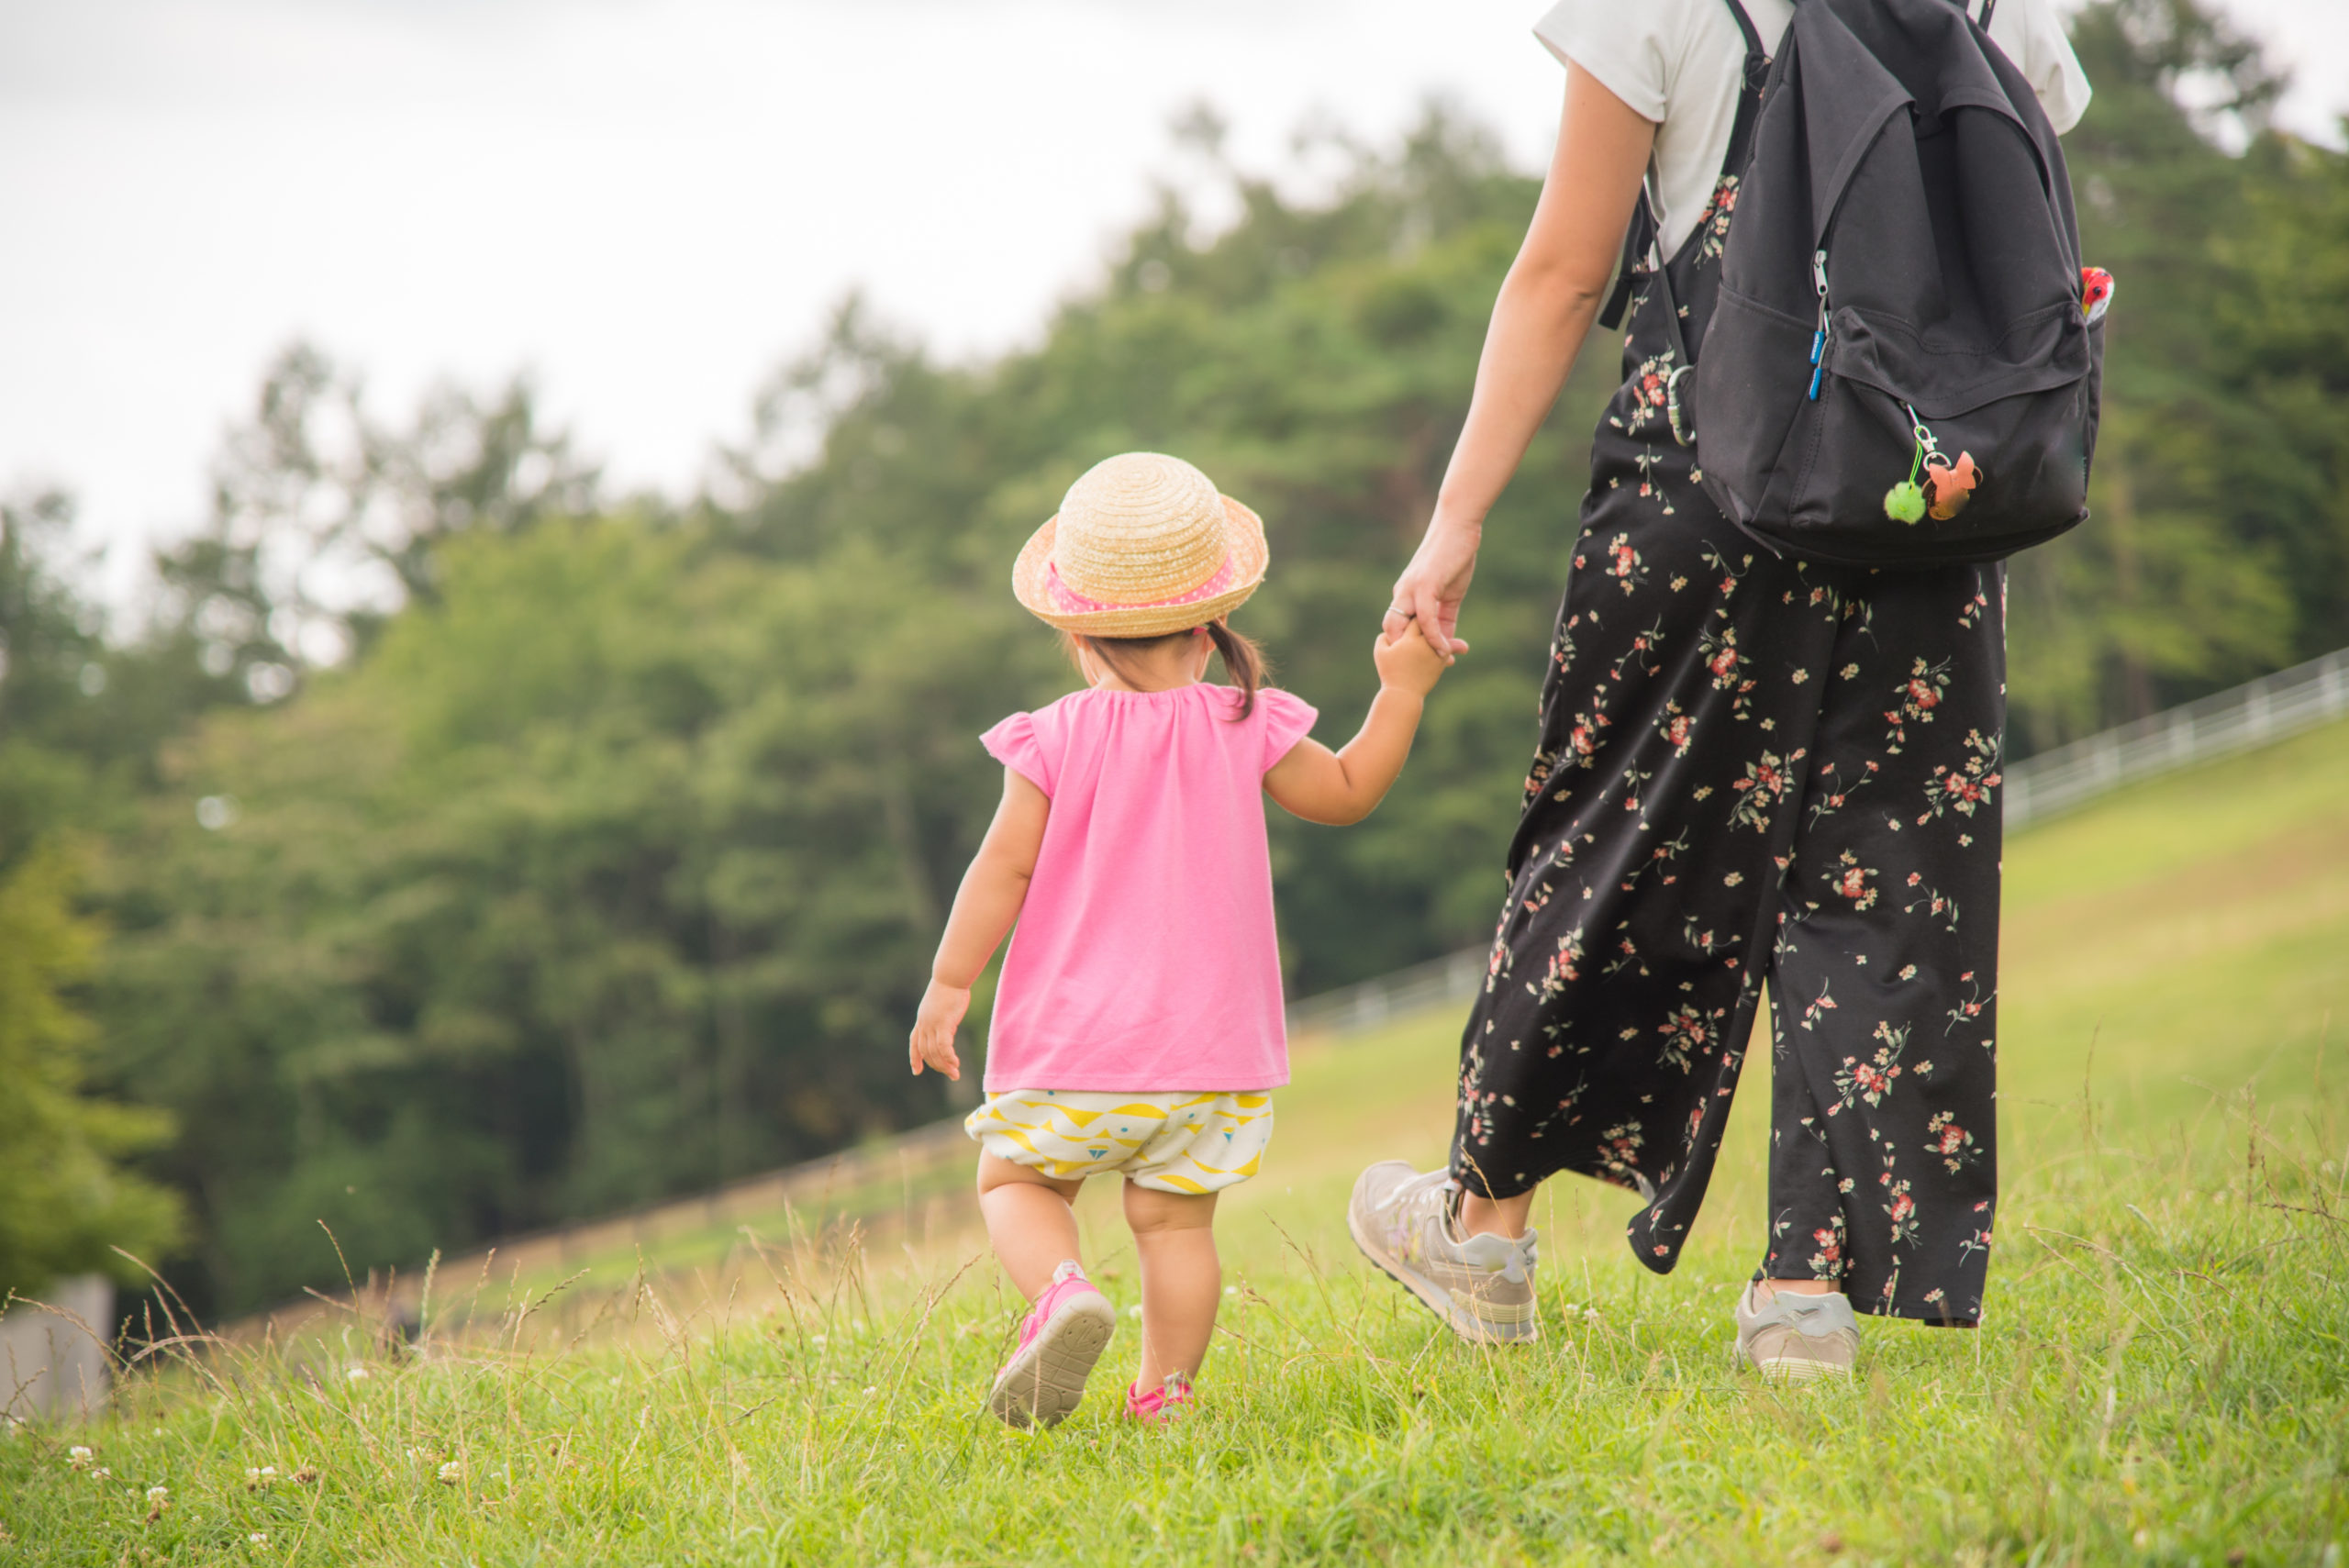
point(1244, 662)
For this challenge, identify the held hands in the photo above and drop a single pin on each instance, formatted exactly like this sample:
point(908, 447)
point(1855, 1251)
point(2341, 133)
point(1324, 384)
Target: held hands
point(1407, 661)
point(1426, 601)
point(942, 1006)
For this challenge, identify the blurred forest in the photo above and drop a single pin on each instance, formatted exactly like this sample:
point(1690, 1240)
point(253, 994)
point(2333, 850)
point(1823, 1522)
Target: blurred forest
point(459, 848)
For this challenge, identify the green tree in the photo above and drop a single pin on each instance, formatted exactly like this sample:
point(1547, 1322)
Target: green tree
point(71, 1203)
point(71, 715)
point(325, 518)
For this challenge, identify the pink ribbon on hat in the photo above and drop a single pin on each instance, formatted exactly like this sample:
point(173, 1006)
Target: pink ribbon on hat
point(1068, 601)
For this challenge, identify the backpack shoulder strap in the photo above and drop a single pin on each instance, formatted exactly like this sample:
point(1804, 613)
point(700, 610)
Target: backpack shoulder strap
point(1746, 25)
point(1988, 7)
point(1757, 59)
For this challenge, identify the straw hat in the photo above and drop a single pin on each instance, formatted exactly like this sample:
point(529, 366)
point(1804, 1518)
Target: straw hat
point(1141, 546)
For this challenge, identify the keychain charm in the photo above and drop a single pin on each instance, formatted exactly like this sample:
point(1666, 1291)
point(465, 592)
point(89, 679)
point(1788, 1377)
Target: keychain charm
point(1952, 482)
point(2095, 295)
point(1905, 502)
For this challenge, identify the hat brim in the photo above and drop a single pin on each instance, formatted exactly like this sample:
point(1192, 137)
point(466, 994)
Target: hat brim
point(1243, 541)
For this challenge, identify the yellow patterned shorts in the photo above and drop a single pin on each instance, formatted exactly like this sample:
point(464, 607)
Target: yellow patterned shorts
point(1176, 1142)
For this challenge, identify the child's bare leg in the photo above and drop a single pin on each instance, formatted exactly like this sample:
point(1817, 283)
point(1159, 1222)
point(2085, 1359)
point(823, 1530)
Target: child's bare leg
point(1182, 1280)
point(1029, 1223)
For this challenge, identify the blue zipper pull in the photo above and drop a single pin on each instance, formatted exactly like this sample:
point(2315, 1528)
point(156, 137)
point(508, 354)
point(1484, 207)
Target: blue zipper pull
point(1819, 334)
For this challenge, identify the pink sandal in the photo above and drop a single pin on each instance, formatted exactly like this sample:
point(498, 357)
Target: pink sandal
point(1168, 1402)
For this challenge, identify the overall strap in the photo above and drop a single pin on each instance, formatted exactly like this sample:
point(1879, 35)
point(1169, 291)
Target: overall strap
point(1637, 240)
point(1646, 229)
point(1675, 337)
point(1988, 7)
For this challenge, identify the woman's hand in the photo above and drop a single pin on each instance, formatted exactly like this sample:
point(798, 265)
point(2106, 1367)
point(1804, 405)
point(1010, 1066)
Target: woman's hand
point(1427, 597)
point(932, 1044)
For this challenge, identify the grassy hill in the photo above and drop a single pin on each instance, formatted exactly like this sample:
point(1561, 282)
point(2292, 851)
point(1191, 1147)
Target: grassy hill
point(2164, 1377)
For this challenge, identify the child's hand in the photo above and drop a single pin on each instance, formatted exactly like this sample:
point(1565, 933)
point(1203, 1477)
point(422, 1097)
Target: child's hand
point(1407, 662)
point(943, 1008)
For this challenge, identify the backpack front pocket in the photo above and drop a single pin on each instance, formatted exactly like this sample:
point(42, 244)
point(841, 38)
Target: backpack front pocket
point(1891, 401)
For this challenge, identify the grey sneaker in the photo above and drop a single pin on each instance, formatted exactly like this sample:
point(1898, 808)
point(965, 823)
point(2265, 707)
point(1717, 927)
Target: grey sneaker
point(1483, 1286)
point(1797, 1338)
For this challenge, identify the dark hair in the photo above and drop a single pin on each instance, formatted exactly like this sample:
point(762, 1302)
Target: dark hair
point(1244, 662)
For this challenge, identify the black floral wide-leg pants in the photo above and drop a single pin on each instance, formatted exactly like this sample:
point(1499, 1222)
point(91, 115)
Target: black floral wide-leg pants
point(1754, 769)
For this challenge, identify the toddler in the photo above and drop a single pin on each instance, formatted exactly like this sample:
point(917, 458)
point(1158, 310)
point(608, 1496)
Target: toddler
point(1138, 1026)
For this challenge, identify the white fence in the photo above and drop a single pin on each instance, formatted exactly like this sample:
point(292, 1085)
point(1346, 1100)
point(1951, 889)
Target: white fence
point(2268, 709)
point(1372, 1003)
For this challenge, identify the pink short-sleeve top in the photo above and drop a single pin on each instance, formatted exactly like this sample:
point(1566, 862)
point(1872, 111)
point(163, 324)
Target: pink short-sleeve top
point(1145, 957)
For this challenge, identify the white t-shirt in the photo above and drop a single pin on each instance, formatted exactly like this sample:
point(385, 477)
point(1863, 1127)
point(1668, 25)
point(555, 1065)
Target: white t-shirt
point(1680, 63)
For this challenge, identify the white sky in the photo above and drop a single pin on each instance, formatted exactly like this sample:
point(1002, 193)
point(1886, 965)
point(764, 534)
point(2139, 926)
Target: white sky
point(647, 203)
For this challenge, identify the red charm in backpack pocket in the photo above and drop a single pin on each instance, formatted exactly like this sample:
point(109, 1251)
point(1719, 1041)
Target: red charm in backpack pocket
point(1952, 484)
point(2096, 294)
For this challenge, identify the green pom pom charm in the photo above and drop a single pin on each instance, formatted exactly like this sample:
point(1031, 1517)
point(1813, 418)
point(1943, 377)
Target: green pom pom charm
point(1905, 502)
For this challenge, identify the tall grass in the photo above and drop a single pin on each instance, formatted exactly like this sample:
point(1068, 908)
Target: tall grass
point(2163, 1381)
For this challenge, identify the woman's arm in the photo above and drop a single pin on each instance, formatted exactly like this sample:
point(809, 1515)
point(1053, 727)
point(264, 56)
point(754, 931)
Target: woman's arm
point(1342, 787)
point(986, 905)
point(1546, 305)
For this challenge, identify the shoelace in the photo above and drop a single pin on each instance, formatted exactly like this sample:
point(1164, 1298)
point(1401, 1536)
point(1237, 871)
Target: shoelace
point(1800, 1317)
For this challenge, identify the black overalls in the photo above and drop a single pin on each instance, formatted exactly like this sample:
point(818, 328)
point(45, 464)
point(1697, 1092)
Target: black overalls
point(1752, 768)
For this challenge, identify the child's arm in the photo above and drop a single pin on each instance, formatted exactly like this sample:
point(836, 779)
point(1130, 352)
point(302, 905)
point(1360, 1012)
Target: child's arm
point(1343, 787)
point(984, 908)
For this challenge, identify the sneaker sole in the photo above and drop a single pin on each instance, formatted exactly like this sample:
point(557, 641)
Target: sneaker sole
point(1437, 1299)
point(1796, 1369)
point(1041, 1385)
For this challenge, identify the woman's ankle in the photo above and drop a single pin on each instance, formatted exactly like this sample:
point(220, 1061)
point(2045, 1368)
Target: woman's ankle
point(1505, 1217)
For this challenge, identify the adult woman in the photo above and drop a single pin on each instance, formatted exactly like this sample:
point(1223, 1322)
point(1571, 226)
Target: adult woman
point(1750, 769)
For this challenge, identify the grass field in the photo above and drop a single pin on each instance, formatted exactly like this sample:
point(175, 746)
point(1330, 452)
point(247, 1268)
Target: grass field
point(2164, 1377)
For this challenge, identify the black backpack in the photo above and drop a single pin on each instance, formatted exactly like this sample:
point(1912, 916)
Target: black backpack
point(1900, 370)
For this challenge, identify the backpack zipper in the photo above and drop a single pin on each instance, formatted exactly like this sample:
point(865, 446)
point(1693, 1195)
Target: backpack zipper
point(1819, 334)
